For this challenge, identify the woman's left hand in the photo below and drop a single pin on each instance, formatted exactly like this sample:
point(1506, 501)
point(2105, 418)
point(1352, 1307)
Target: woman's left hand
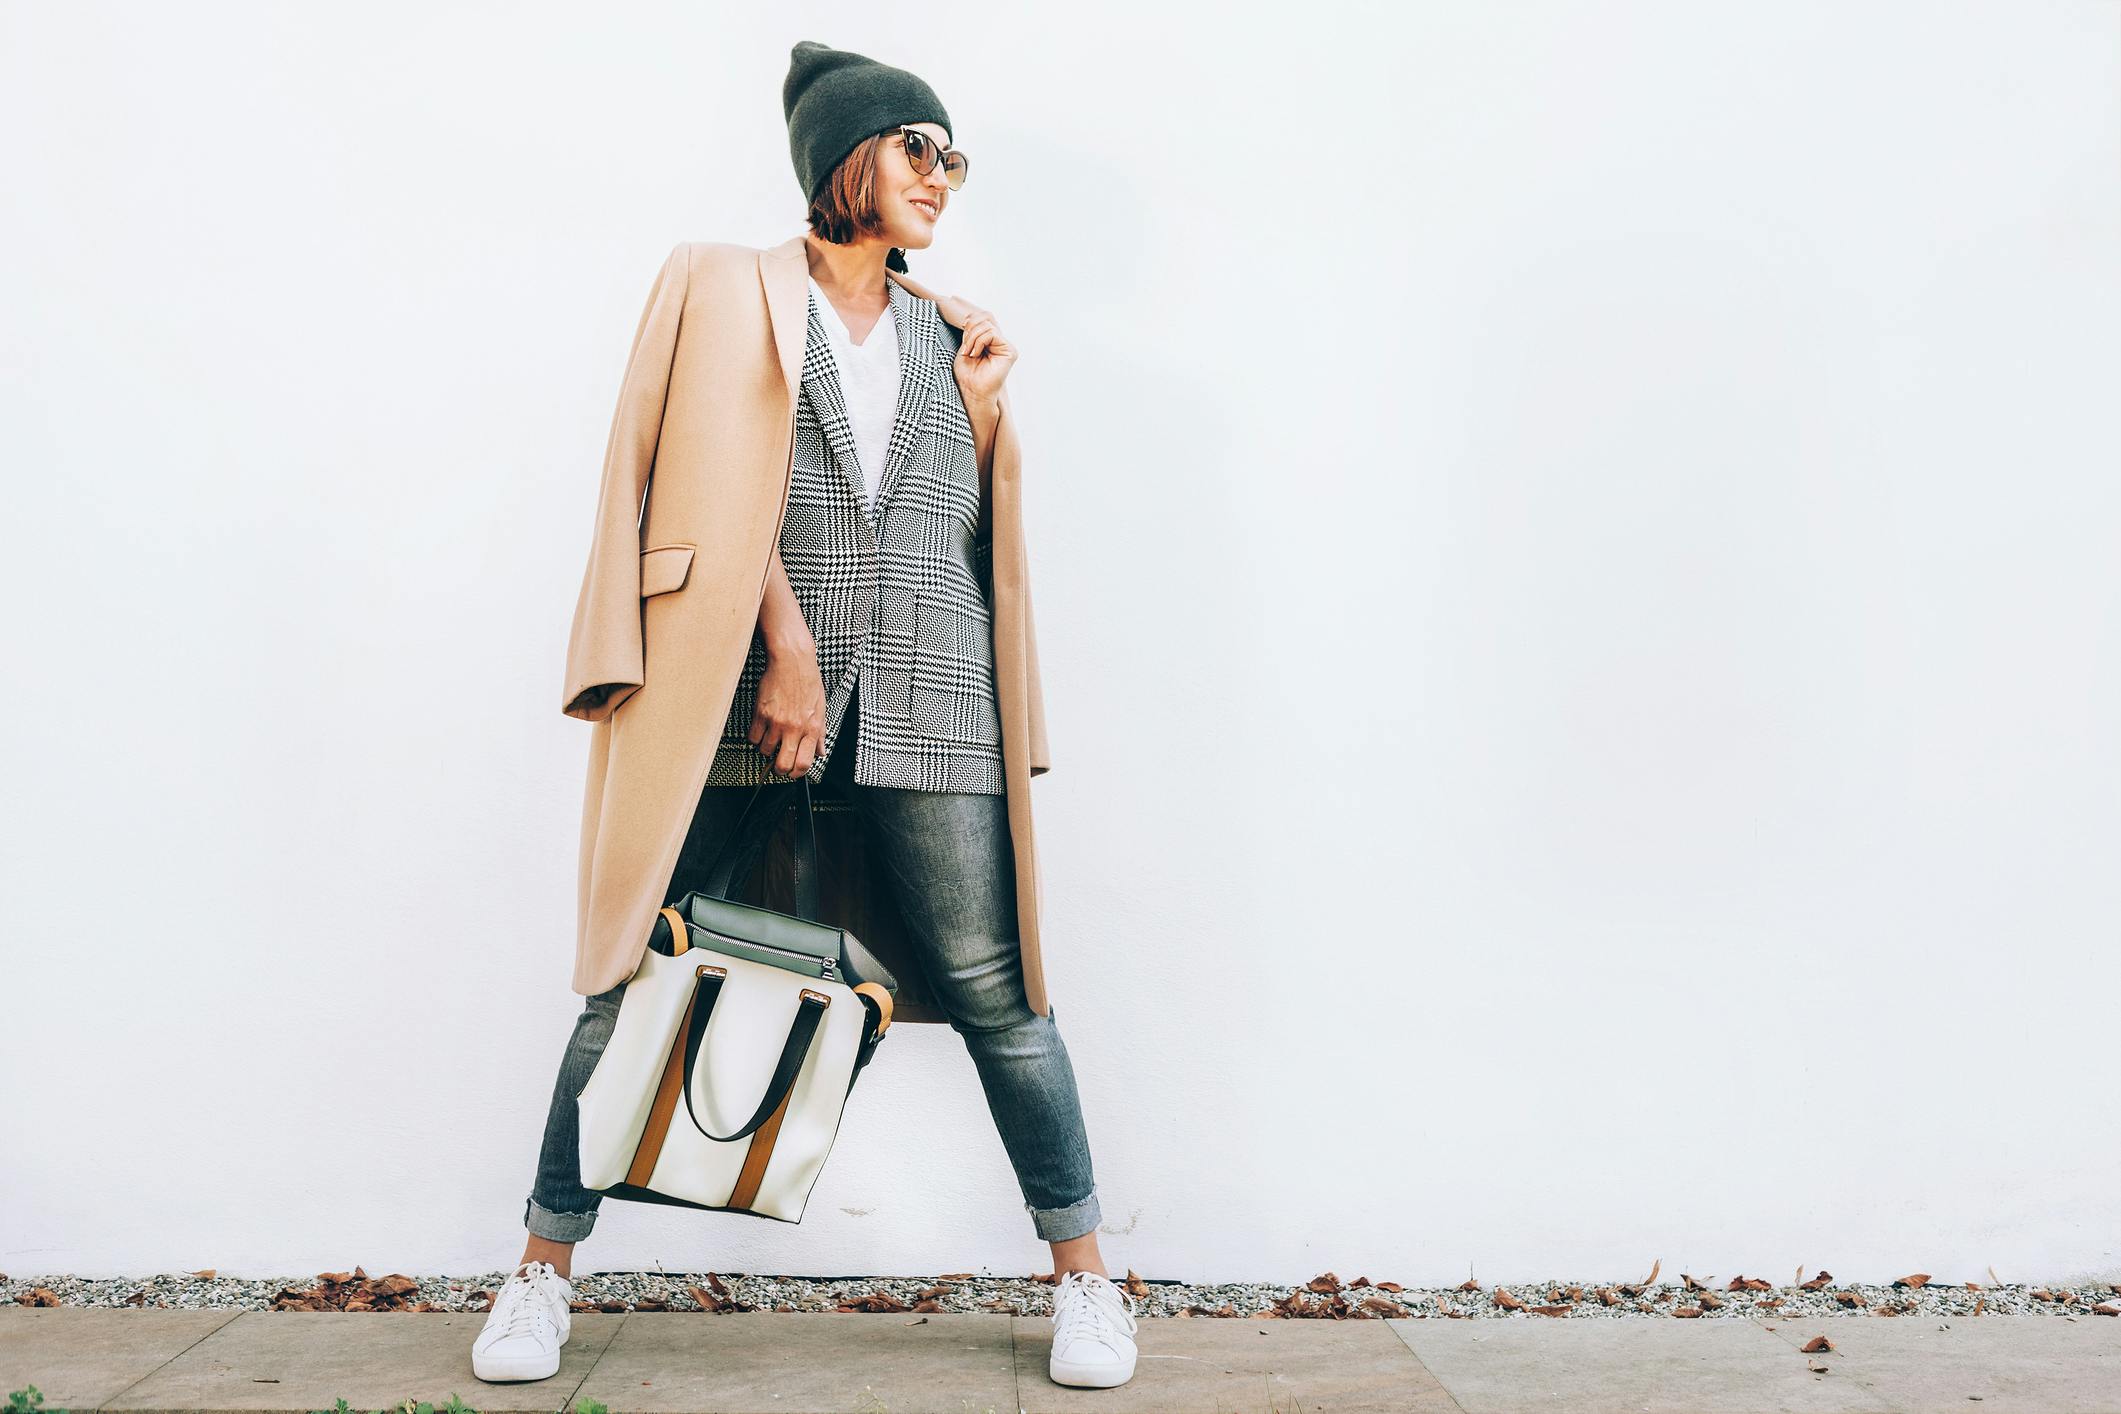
point(984, 357)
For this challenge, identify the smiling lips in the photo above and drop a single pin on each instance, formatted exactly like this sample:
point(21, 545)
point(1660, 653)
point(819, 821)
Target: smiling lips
point(924, 204)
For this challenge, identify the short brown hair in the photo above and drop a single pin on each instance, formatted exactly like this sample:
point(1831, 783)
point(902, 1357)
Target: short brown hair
point(845, 206)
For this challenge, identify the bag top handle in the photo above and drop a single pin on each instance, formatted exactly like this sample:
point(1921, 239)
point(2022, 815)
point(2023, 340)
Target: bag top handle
point(762, 814)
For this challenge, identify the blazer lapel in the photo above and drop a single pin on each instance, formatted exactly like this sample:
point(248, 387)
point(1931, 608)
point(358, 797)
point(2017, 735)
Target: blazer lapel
point(821, 384)
point(917, 337)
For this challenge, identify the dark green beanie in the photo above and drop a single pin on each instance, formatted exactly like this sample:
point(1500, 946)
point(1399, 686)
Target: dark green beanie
point(835, 100)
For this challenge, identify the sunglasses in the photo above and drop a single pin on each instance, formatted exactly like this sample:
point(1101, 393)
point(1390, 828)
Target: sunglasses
point(922, 152)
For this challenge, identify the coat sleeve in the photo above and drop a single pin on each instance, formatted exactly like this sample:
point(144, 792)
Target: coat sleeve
point(604, 660)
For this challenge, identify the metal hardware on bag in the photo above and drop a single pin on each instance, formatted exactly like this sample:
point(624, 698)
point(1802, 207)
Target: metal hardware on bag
point(706, 967)
point(820, 996)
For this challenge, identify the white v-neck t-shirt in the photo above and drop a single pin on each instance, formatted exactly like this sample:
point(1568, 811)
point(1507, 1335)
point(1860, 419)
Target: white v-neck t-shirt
point(869, 376)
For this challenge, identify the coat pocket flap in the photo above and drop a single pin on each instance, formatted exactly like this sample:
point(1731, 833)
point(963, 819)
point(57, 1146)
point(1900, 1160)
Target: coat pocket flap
point(664, 568)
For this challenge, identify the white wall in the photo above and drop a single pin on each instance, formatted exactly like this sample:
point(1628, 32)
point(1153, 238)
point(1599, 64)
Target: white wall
point(1574, 553)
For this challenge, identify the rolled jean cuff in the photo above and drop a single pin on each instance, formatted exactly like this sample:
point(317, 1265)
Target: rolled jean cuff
point(556, 1227)
point(1060, 1224)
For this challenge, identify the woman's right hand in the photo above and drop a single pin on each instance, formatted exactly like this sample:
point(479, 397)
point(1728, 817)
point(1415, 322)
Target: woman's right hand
point(789, 725)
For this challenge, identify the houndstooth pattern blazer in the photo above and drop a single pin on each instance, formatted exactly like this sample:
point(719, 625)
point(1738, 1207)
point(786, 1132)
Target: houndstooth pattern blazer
point(896, 594)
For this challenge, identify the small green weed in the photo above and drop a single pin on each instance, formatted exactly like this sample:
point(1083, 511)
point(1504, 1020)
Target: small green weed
point(456, 1405)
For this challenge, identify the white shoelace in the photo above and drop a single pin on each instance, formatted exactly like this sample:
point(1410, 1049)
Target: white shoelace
point(1088, 1303)
point(525, 1305)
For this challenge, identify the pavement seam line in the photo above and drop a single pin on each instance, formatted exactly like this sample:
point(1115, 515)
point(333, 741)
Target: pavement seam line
point(233, 1316)
point(1016, 1375)
point(1435, 1378)
point(602, 1351)
point(1781, 1335)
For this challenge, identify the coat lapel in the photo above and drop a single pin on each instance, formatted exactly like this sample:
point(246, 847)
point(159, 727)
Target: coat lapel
point(784, 272)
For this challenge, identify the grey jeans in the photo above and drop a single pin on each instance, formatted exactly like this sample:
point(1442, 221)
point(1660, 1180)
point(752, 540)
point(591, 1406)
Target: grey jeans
point(952, 872)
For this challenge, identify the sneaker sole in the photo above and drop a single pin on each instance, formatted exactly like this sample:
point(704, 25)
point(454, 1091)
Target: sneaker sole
point(1065, 1372)
point(508, 1371)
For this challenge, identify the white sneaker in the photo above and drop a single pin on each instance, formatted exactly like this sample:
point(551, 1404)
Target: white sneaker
point(527, 1326)
point(1093, 1332)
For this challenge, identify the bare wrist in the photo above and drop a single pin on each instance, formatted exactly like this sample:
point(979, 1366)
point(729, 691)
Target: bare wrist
point(790, 645)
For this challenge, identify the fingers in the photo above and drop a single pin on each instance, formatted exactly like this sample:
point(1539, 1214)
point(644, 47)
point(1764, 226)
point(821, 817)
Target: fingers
point(797, 754)
point(790, 749)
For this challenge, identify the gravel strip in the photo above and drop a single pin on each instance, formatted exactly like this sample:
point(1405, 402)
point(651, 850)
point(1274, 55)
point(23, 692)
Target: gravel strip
point(1324, 1298)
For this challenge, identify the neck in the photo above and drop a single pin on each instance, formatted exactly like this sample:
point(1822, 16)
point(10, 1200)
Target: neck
point(849, 273)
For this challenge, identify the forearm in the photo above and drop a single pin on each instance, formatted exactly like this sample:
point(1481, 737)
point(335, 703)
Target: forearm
point(781, 615)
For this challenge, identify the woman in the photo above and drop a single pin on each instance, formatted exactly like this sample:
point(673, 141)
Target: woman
point(876, 668)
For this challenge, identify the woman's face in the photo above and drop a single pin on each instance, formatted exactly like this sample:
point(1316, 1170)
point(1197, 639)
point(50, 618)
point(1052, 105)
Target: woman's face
point(904, 197)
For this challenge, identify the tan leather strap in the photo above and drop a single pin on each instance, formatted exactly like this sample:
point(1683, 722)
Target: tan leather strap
point(680, 935)
point(882, 999)
point(746, 1191)
point(667, 1094)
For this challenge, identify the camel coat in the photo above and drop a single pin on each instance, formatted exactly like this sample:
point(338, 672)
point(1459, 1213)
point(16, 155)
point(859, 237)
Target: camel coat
point(705, 433)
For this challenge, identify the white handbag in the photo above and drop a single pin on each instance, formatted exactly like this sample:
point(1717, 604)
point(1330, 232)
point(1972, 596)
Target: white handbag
point(739, 1038)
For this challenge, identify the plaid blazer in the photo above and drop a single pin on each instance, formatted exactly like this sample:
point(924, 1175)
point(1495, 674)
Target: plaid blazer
point(896, 595)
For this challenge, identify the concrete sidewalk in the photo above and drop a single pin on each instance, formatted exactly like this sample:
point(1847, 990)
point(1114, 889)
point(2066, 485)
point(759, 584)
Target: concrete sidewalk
point(754, 1362)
